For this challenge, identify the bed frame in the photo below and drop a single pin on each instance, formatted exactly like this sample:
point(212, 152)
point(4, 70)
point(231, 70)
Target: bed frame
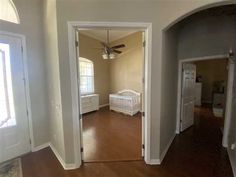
point(125, 101)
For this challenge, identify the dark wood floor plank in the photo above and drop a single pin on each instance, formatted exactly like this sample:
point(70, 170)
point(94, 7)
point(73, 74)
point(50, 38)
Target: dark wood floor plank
point(197, 152)
point(111, 136)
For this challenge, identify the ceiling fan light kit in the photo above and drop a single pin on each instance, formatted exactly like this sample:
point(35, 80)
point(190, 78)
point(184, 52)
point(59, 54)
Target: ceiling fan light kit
point(112, 56)
point(107, 56)
point(110, 52)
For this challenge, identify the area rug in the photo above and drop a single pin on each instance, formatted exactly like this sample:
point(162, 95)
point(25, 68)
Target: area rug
point(11, 168)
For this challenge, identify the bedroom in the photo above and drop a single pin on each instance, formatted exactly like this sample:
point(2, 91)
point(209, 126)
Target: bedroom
point(111, 89)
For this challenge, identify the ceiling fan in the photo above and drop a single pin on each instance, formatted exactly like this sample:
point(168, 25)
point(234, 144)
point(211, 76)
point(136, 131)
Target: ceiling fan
point(110, 52)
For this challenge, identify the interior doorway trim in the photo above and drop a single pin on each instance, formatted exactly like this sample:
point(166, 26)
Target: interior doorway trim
point(72, 26)
point(26, 78)
point(229, 97)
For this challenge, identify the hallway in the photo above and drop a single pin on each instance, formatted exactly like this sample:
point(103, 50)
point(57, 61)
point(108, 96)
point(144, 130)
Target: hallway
point(197, 152)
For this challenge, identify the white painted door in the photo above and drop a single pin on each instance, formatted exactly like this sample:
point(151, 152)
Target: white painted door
point(188, 95)
point(143, 96)
point(14, 131)
point(79, 95)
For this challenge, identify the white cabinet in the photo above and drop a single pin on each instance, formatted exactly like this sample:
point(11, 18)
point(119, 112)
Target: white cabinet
point(198, 94)
point(89, 103)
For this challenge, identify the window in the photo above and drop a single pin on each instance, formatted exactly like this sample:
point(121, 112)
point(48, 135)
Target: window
point(86, 76)
point(7, 113)
point(8, 12)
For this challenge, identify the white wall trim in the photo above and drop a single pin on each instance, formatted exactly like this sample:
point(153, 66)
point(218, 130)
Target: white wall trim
point(72, 26)
point(154, 162)
point(211, 57)
point(229, 102)
point(75, 95)
point(232, 161)
point(229, 93)
point(27, 90)
point(103, 105)
point(38, 148)
point(66, 166)
point(163, 154)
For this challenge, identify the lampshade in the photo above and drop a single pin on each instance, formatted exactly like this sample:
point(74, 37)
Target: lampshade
point(105, 56)
point(112, 56)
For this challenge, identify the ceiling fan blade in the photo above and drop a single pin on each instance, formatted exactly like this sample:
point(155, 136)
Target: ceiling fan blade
point(117, 51)
point(118, 46)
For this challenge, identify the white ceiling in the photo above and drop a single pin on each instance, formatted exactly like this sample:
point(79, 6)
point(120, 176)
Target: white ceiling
point(101, 35)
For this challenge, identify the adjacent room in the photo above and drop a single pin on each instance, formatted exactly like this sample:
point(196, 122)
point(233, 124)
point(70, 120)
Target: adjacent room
point(211, 88)
point(111, 86)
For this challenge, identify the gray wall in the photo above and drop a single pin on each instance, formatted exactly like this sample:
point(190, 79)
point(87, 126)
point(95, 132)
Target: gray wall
point(207, 36)
point(56, 131)
point(169, 87)
point(30, 12)
point(100, 11)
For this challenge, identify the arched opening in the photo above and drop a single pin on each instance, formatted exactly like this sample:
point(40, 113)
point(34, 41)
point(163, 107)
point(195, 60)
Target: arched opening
point(204, 35)
point(8, 12)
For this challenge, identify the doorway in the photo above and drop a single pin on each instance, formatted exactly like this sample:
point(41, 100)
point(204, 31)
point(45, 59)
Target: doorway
point(189, 84)
point(110, 65)
point(73, 26)
point(14, 125)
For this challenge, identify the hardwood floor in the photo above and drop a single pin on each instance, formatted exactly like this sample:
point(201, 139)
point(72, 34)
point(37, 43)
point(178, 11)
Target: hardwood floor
point(111, 136)
point(197, 152)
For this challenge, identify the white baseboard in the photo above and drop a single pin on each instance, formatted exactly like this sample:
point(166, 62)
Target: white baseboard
point(65, 165)
point(158, 161)
point(163, 154)
point(154, 162)
point(103, 105)
point(38, 148)
point(232, 161)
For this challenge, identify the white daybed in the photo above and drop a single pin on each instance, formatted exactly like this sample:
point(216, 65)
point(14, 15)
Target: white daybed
point(125, 101)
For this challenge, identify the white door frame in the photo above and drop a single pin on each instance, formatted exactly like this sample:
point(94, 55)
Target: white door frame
point(229, 97)
point(26, 80)
point(72, 26)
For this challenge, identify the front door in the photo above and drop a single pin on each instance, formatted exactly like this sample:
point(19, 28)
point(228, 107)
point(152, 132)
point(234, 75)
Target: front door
point(188, 95)
point(14, 131)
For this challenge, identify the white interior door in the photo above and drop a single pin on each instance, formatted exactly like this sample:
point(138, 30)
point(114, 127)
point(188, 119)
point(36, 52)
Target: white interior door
point(79, 95)
point(14, 131)
point(143, 96)
point(188, 95)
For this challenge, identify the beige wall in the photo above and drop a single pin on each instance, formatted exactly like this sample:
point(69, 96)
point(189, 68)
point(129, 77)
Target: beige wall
point(211, 71)
point(124, 72)
point(88, 49)
point(127, 69)
point(169, 86)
